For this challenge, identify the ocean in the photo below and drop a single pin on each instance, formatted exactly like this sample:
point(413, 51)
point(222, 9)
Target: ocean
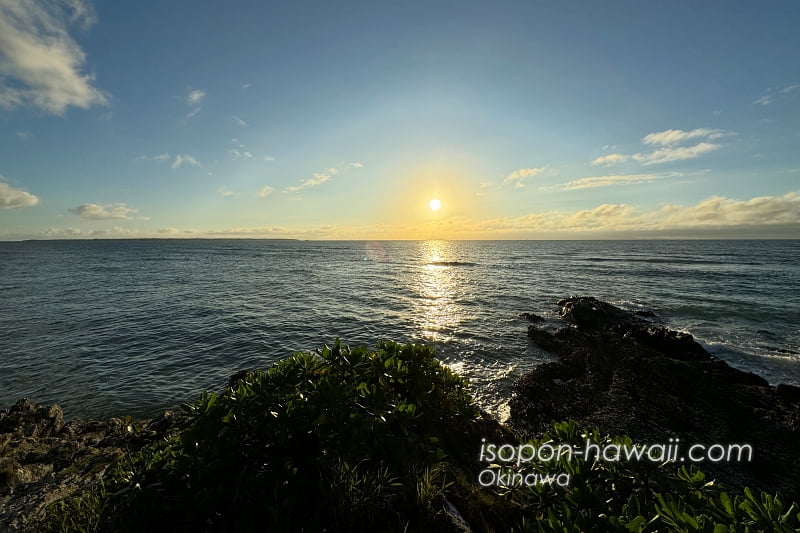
point(132, 327)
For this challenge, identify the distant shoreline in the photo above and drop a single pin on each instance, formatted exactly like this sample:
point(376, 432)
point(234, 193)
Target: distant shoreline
point(290, 239)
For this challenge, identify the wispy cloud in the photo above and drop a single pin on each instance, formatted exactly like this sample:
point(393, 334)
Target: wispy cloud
point(192, 113)
point(669, 154)
point(247, 85)
point(610, 181)
point(764, 100)
point(194, 96)
point(518, 177)
point(224, 191)
point(238, 120)
point(193, 99)
point(12, 198)
point(667, 147)
point(265, 191)
point(25, 135)
point(671, 137)
point(240, 154)
point(269, 158)
point(318, 178)
point(610, 159)
point(773, 94)
point(178, 161)
point(45, 64)
point(104, 212)
point(159, 157)
point(184, 159)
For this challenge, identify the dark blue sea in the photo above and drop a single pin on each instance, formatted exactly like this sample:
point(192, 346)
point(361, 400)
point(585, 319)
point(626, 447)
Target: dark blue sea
point(136, 326)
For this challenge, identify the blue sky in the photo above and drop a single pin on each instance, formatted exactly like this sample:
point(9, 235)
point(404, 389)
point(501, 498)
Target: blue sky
point(328, 120)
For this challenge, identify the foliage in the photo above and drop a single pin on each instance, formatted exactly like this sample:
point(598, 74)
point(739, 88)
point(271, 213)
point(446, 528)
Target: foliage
point(383, 440)
point(334, 440)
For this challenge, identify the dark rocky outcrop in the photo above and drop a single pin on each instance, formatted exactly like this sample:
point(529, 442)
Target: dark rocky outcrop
point(624, 374)
point(532, 317)
point(42, 459)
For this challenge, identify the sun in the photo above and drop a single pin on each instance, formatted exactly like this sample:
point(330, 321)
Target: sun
point(435, 204)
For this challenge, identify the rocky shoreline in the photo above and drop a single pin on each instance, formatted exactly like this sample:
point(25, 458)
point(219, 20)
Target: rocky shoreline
point(42, 459)
point(623, 373)
point(617, 370)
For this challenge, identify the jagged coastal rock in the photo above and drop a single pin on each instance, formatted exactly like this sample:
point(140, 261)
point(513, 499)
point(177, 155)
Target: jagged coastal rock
point(42, 459)
point(623, 373)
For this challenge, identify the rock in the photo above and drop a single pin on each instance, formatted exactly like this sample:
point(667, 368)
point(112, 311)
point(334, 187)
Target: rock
point(43, 460)
point(28, 419)
point(790, 393)
point(532, 317)
point(625, 375)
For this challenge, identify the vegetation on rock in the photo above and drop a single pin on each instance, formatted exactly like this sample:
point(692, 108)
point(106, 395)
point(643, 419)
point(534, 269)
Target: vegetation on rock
point(382, 440)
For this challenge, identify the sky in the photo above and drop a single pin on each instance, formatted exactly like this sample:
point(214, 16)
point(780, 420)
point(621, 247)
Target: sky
point(343, 120)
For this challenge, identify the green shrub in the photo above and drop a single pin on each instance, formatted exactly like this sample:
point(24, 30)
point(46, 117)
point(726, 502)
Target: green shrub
point(383, 440)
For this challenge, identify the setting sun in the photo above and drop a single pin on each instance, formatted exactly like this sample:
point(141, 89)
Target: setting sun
point(435, 204)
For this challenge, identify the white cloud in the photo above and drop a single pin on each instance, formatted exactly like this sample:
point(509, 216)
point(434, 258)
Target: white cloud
point(670, 137)
point(66, 232)
point(719, 211)
point(192, 113)
point(159, 157)
point(765, 216)
point(773, 94)
point(194, 96)
point(11, 198)
point(115, 231)
point(241, 154)
point(224, 191)
point(42, 66)
point(25, 135)
point(610, 181)
point(667, 149)
point(269, 158)
point(318, 179)
point(265, 191)
point(238, 120)
point(519, 176)
point(610, 159)
point(107, 212)
point(666, 155)
point(247, 85)
point(764, 100)
point(180, 160)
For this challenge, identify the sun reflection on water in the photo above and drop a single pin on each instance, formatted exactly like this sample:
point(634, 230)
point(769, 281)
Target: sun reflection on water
point(446, 283)
point(439, 287)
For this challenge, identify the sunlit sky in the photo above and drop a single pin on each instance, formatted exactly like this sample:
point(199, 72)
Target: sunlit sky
point(343, 120)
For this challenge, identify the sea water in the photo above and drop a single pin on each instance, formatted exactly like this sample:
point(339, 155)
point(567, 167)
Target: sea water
point(114, 327)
